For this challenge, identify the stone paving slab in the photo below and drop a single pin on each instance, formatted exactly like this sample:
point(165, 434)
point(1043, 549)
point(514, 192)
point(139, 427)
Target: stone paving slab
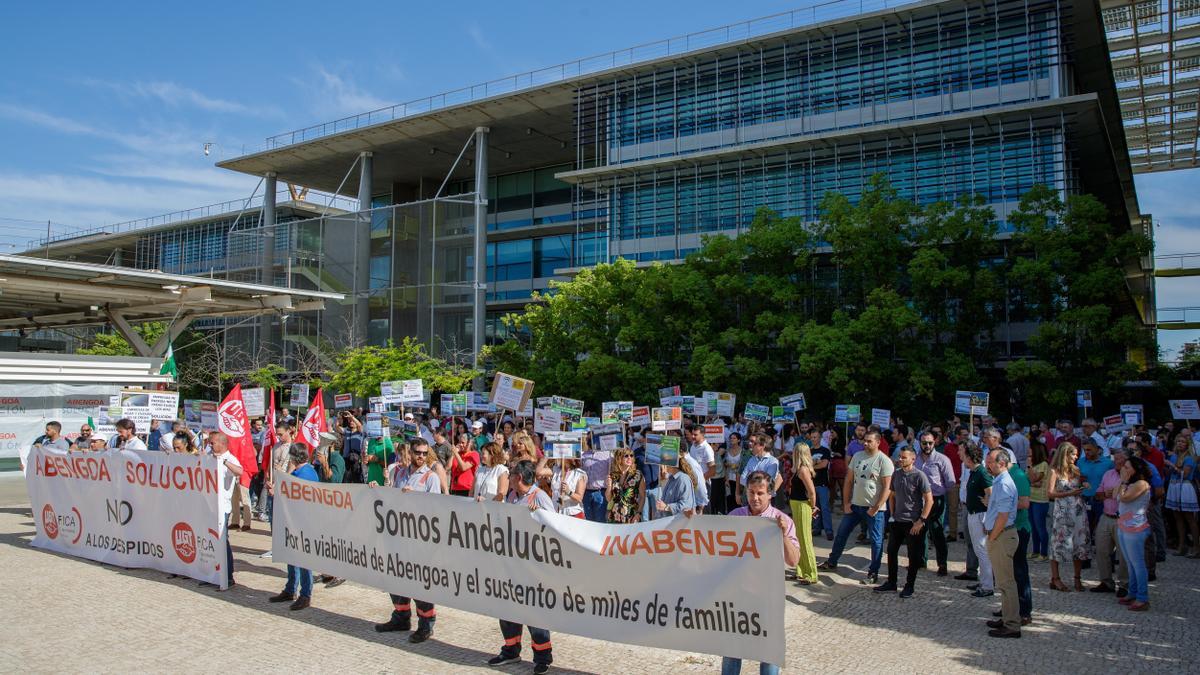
point(63, 614)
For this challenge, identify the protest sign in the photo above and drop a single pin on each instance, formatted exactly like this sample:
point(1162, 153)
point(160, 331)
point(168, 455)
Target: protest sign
point(619, 411)
point(780, 413)
point(208, 415)
point(546, 420)
point(374, 425)
point(1132, 413)
point(455, 404)
point(342, 401)
point(668, 453)
point(666, 419)
point(376, 404)
point(130, 508)
point(881, 418)
point(412, 391)
point(624, 584)
point(1185, 409)
point(527, 411)
point(390, 391)
point(849, 413)
point(255, 400)
point(714, 433)
point(1114, 424)
point(757, 413)
point(563, 444)
point(639, 416)
point(544, 401)
point(609, 436)
point(795, 402)
point(666, 392)
point(687, 404)
point(724, 403)
point(299, 397)
point(479, 401)
point(510, 393)
point(1083, 398)
point(962, 402)
point(979, 403)
point(567, 406)
point(653, 449)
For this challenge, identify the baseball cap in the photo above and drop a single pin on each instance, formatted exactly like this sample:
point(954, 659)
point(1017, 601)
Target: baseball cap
point(477, 424)
point(408, 417)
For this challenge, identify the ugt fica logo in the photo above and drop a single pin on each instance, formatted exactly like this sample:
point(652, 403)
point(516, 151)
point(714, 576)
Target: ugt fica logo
point(229, 418)
point(69, 525)
point(183, 539)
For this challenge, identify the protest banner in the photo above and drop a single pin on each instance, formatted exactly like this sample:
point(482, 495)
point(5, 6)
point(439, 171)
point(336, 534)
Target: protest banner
point(979, 403)
point(962, 402)
point(510, 393)
point(299, 396)
point(671, 402)
point(1185, 409)
point(454, 405)
point(480, 401)
point(714, 433)
point(666, 419)
point(1114, 424)
point(653, 449)
point(757, 413)
point(795, 402)
point(256, 401)
point(610, 410)
point(563, 444)
point(687, 405)
point(639, 416)
point(781, 413)
point(668, 451)
point(376, 404)
point(374, 426)
point(130, 508)
point(667, 392)
point(608, 436)
point(390, 391)
point(412, 391)
point(881, 418)
point(725, 403)
point(546, 420)
point(527, 411)
point(342, 401)
point(626, 584)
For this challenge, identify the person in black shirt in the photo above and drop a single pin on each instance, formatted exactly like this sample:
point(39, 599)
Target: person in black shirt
point(823, 520)
point(911, 501)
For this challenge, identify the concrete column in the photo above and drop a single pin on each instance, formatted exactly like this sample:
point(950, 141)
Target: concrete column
point(266, 322)
point(362, 267)
point(481, 203)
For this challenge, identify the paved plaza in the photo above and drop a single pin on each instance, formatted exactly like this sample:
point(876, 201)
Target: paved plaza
point(73, 615)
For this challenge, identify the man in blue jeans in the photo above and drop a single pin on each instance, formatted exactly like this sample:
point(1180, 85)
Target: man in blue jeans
point(299, 467)
point(864, 500)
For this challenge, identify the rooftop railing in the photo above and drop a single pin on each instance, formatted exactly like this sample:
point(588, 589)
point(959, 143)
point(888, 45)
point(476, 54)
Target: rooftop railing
point(811, 14)
point(317, 200)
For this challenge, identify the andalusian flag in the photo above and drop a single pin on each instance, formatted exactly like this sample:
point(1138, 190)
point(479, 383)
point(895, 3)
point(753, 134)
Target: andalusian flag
point(168, 366)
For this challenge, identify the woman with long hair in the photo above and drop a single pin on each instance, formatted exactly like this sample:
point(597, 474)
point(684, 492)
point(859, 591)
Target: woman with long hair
point(1069, 530)
point(184, 443)
point(624, 488)
point(1181, 493)
point(1133, 528)
point(568, 482)
point(803, 500)
point(1039, 500)
point(734, 460)
point(491, 480)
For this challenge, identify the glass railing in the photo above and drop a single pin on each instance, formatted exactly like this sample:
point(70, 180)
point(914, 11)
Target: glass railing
point(808, 15)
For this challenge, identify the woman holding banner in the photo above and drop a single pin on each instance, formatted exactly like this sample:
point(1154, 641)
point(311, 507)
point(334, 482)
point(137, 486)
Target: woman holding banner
point(624, 489)
point(491, 480)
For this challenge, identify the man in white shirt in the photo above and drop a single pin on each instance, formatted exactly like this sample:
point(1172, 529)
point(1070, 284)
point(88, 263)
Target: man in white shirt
point(126, 438)
point(229, 470)
point(1090, 430)
point(703, 454)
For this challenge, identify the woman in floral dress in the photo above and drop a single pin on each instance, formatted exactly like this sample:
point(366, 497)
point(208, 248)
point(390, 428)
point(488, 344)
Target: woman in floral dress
point(624, 488)
point(1069, 542)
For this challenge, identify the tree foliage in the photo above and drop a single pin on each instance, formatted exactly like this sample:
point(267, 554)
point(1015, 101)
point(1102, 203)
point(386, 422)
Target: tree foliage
point(112, 343)
point(361, 369)
point(880, 302)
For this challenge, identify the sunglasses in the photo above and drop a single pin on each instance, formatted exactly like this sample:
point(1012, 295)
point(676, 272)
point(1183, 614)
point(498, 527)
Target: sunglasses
point(416, 453)
point(926, 442)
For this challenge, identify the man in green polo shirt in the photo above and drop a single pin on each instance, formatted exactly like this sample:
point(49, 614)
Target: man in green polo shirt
point(1024, 531)
point(376, 458)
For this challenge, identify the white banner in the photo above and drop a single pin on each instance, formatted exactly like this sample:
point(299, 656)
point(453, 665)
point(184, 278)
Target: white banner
point(130, 508)
point(677, 583)
point(255, 401)
point(25, 409)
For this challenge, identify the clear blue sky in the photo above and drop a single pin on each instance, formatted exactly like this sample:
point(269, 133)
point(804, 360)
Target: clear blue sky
point(105, 107)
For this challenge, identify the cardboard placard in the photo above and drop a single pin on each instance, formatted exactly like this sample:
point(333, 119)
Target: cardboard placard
point(299, 397)
point(510, 392)
point(881, 418)
point(666, 419)
point(795, 402)
point(1183, 409)
point(341, 401)
point(847, 412)
point(757, 413)
point(546, 420)
point(714, 433)
point(563, 445)
point(639, 416)
point(255, 401)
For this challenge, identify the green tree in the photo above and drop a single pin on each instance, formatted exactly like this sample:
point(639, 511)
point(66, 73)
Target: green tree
point(269, 376)
point(111, 343)
point(360, 370)
point(1068, 265)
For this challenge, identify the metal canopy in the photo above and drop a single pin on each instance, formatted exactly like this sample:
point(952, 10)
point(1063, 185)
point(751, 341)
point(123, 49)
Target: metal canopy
point(1155, 53)
point(39, 293)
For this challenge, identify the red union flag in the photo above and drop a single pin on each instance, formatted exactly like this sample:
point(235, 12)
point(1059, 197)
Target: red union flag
point(270, 440)
point(314, 422)
point(233, 422)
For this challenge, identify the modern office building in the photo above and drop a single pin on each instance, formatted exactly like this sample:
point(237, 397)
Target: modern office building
point(641, 152)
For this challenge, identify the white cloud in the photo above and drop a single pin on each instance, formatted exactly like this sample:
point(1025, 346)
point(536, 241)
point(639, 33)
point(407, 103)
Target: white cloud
point(176, 95)
point(337, 95)
point(152, 141)
point(477, 36)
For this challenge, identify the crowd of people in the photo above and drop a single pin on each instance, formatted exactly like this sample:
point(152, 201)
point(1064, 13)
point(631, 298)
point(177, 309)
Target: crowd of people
point(1079, 499)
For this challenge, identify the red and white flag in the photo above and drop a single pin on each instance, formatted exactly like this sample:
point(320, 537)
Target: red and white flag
point(270, 439)
point(234, 423)
point(314, 422)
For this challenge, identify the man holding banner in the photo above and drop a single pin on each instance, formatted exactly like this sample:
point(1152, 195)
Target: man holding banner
point(229, 472)
point(525, 491)
point(416, 477)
